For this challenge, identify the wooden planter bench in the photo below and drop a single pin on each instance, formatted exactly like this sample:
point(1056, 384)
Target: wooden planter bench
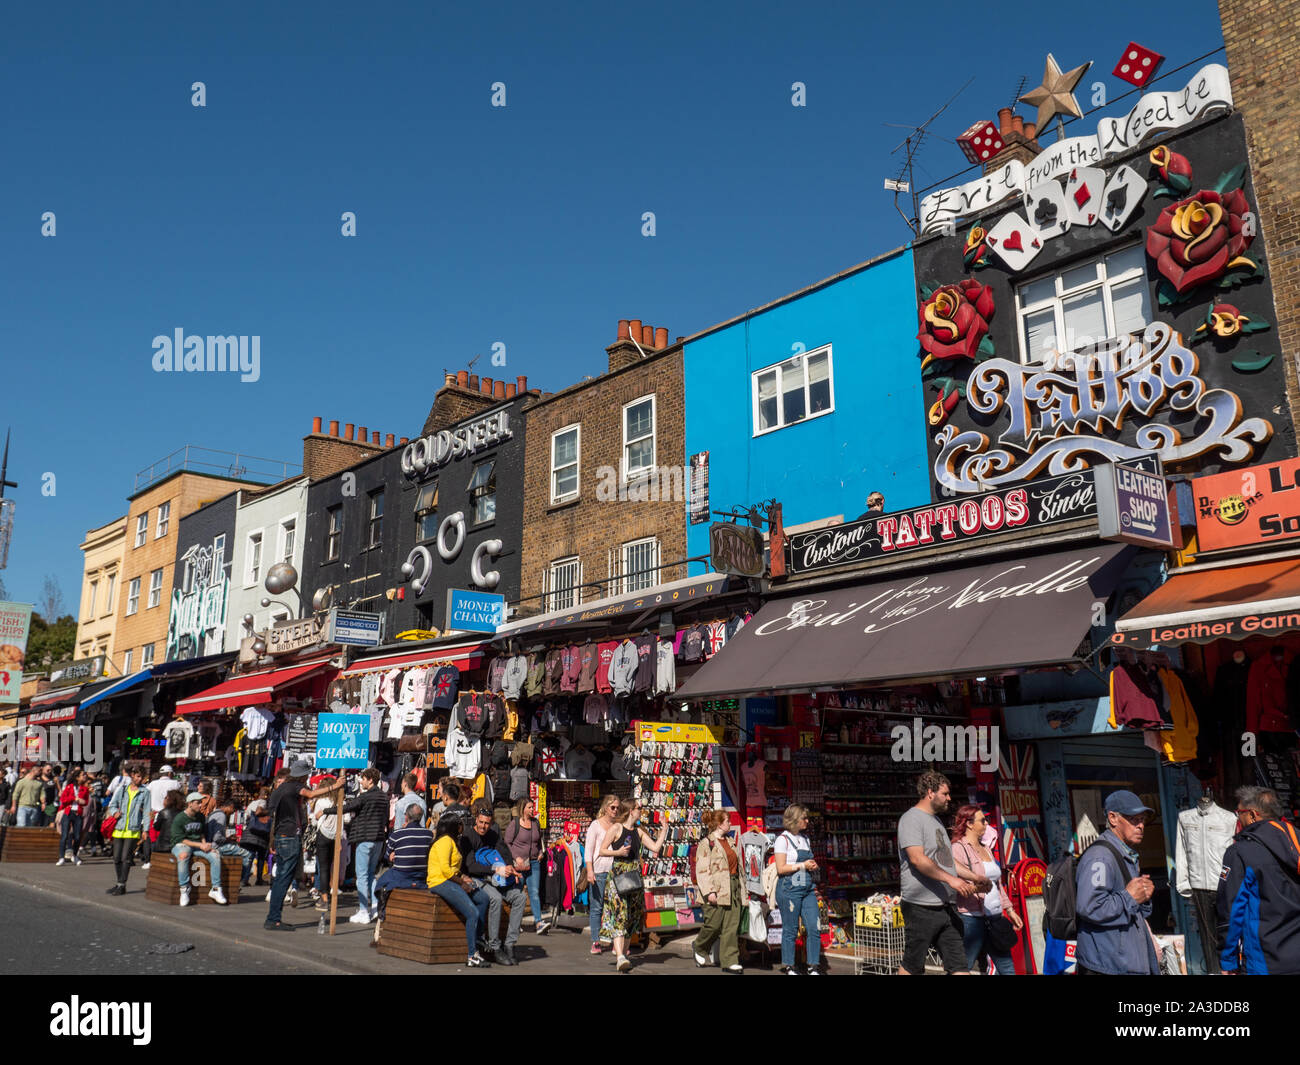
point(162, 885)
point(29, 844)
point(420, 926)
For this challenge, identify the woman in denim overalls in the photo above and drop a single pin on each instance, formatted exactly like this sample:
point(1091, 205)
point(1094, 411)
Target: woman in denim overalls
point(795, 895)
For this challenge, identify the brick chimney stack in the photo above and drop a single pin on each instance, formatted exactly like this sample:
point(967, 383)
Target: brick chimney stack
point(633, 341)
point(1018, 141)
point(326, 453)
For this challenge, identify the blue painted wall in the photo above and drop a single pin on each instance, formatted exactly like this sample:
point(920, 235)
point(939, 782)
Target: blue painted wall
point(873, 440)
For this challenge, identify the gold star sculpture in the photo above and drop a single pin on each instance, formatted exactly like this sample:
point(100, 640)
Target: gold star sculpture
point(1056, 96)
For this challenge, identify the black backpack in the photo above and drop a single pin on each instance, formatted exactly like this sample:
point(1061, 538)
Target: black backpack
point(1060, 919)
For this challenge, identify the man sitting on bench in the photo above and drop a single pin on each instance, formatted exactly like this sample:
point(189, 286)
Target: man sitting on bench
point(408, 851)
point(187, 836)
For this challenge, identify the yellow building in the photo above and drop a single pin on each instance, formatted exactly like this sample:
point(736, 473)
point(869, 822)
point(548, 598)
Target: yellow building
point(103, 550)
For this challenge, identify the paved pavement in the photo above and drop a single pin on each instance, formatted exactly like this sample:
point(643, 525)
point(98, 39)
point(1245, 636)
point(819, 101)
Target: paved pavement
point(60, 917)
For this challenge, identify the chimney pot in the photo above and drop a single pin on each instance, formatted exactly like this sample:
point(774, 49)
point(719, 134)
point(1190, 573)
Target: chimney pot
point(347, 430)
point(462, 378)
point(634, 329)
point(362, 435)
point(449, 379)
point(648, 336)
point(510, 390)
point(388, 440)
point(334, 427)
point(521, 385)
point(499, 390)
point(679, 340)
point(661, 337)
point(404, 441)
point(375, 437)
point(622, 329)
point(486, 388)
point(1004, 120)
point(1017, 124)
point(473, 382)
point(315, 425)
point(1030, 130)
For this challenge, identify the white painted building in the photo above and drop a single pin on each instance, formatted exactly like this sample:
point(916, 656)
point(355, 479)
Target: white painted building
point(269, 528)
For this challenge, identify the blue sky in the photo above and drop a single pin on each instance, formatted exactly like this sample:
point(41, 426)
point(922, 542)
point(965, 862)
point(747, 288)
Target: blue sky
point(474, 224)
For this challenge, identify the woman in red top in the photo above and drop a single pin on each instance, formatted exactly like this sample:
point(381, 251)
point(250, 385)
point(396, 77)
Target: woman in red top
point(73, 802)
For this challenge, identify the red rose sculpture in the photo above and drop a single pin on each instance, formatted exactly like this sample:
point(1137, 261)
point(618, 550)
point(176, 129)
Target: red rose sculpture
point(954, 320)
point(1200, 238)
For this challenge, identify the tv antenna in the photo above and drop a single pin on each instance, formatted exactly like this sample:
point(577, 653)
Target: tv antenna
point(912, 143)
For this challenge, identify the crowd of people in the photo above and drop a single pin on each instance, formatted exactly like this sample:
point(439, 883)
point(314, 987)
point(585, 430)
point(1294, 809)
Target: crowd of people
point(952, 900)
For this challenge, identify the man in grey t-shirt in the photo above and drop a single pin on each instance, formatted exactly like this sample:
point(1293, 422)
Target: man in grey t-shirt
point(928, 878)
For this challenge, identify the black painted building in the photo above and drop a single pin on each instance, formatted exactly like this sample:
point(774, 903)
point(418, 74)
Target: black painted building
point(449, 503)
point(197, 614)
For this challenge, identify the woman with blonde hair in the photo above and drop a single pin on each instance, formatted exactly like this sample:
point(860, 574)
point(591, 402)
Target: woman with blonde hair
point(795, 895)
point(624, 913)
point(717, 875)
point(598, 867)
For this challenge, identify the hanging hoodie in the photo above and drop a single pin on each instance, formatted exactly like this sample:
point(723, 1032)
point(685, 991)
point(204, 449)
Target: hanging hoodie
point(446, 685)
point(578, 763)
point(496, 673)
point(388, 688)
point(536, 676)
point(554, 671)
point(1179, 743)
point(511, 731)
point(588, 661)
point(571, 662)
point(694, 643)
point(1266, 697)
point(665, 669)
point(472, 714)
point(516, 673)
point(594, 708)
point(717, 631)
point(605, 651)
point(462, 752)
point(518, 783)
point(495, 708)
point(622, 670)
point(547, 760)
point(1133, 704)
point(647, 663)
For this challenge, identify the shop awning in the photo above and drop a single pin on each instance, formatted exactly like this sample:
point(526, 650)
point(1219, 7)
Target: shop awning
point(617, 608)
point(1223, 603)
point(1010, 614)
point(462, 656)
point(252, 689)
point(58, 697)
point(114, 687)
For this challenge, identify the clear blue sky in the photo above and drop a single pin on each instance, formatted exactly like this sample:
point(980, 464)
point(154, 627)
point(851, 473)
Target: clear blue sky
point(475, 224)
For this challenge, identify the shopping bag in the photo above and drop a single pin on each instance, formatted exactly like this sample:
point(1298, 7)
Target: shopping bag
point(754, 922)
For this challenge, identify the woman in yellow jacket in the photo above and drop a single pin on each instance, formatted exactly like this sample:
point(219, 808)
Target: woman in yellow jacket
point(459, 892)
point(717, 874)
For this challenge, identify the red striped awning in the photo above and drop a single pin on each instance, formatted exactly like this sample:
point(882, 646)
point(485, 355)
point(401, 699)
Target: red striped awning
point(467, 656)
point(252, 689)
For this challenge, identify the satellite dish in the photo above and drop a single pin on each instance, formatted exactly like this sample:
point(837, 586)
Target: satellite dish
point(280, 578)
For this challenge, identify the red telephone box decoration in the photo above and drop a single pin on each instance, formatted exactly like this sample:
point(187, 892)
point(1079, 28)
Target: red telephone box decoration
point(1025, 890)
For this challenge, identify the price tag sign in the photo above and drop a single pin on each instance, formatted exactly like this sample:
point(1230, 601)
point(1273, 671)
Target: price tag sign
point(807, 739)
point(868, 916)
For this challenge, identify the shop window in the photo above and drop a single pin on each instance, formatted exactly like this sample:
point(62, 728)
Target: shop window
point(426, 511)
point(1083, 306)
point(164, 521)
point(376, 527)
point(253, 567)
point(133, 597)
point(640, 564)
point(141, 529)
point(793, 391)
point(638, 438)
point(334, 537)
point(483, 491)
point(155, 588)
point(146, 656)
point(563, 581)
point(564, 463)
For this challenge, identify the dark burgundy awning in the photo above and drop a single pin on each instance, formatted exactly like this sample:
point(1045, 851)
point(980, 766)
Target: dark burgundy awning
point(1014, 613)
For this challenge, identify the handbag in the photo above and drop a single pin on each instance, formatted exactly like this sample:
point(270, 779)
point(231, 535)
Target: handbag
point(107, 825)
point(1000, 934)
point(628, 882)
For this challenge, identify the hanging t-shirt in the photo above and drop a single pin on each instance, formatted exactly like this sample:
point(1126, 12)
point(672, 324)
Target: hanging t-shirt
point(753, 852)
point(462, 752)
point(594, 708)
point(446, 686)
point(717, 631)
point(693, 644)
point(647, 663)
point(536, 676)
point(578, 763)
point(256, 720)
point(588, 661)
point(571, 665)
point(605, 651)
point(497, 674)
point(665, 669)
point(754, 779)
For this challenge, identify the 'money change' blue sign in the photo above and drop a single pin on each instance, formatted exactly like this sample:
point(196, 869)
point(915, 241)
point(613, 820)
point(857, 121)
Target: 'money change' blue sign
point(343, 741)
point(474, 611)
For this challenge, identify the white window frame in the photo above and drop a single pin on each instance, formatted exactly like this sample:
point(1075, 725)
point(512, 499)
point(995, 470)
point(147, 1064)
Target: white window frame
point(141, 530)
point(779, 369)
point(549, 583)
point(629, 577)
point(576, 464)
point(109, 587)
point(155, 588)
point(146, 656)
point(164, 520)
point(92, 589)
point(288, 538)
point(374, 522)
point(1057, 302)
point(133, 597)
point(218, 556)
point(252, 574)
point(126, 663)
point(645, 471)
point(333, 537)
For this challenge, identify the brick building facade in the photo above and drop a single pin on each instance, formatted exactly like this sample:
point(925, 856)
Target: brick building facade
point(606, 488)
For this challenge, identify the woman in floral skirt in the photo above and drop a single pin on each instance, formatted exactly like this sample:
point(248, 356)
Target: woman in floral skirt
point(624, 914)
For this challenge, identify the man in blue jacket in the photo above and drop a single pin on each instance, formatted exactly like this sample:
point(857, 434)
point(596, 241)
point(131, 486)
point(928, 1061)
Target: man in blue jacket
point(1113, 898)
point(1259, 890)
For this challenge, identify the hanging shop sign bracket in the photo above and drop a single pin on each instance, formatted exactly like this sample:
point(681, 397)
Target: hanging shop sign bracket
point(1135, 504)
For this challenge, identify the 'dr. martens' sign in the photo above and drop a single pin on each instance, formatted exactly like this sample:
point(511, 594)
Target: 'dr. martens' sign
point(1257, 505)
point(1031, 506)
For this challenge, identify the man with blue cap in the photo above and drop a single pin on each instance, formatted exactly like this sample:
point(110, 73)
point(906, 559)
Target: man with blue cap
point(1113, 897)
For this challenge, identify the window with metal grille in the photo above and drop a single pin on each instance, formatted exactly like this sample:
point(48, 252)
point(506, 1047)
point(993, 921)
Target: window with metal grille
point(562, 584)
point(639, 565)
